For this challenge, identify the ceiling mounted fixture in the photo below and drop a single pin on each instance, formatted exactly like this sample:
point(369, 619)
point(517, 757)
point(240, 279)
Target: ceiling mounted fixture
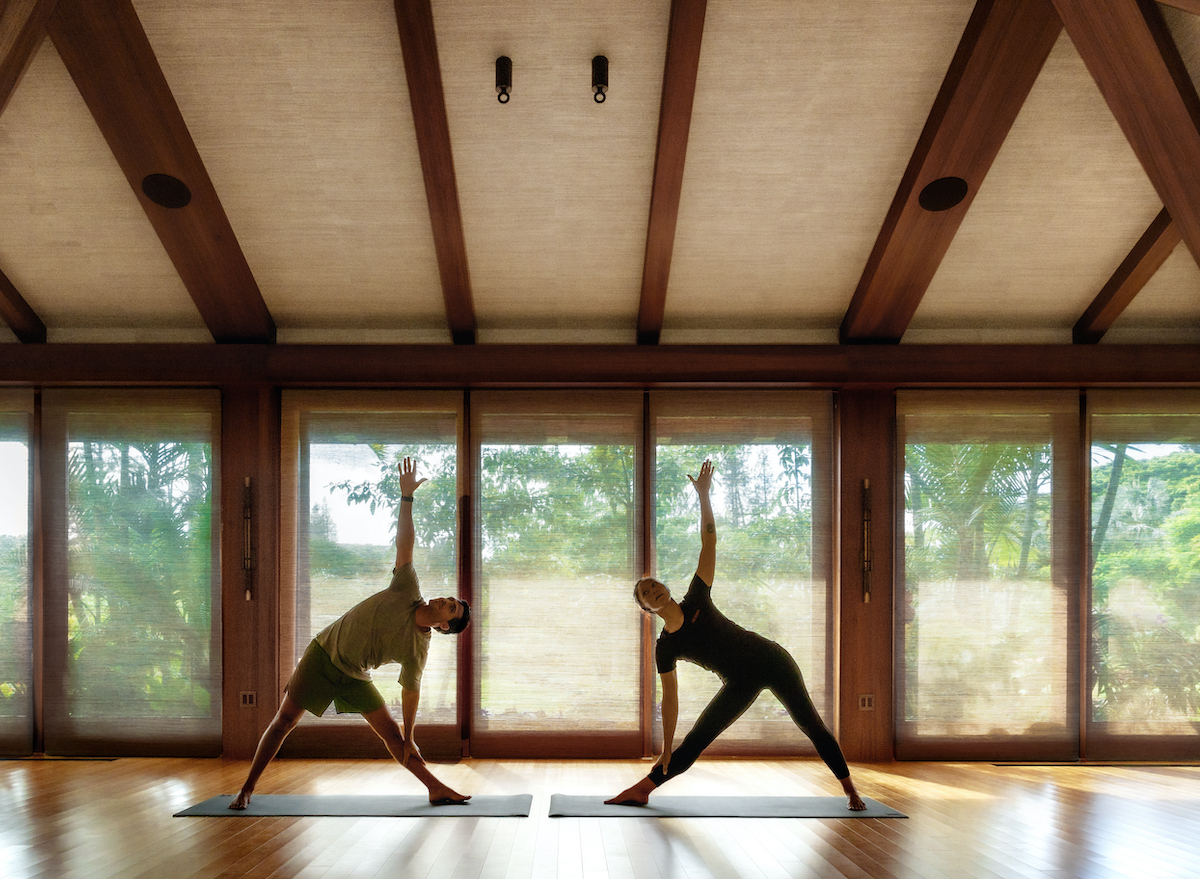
point(503, 78)
point(599, 78)
point(165, 190)
point(943, 194)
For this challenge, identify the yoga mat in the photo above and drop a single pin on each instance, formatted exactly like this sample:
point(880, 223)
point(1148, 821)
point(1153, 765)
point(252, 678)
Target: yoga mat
point(564, 806)
point(360, 805)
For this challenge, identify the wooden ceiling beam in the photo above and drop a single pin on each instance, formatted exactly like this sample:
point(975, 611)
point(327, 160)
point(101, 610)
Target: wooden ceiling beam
point(15, 312)
point(22, 29)
point(1001, 53)
point(418, 43)
point(1132, 57)
point(674, 123)
point(1147, 256)
point(110, 58)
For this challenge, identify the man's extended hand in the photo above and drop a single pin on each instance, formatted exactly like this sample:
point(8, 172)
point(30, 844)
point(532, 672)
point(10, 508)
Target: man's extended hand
point(411, 750)
point(408, 477)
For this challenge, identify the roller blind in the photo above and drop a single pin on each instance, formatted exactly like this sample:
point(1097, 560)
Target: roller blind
point(16, 596)
point(772, 453)
point(557, 648)
point(1144, 609)
point(340, 507)
point(987, 603)
point(133, 659)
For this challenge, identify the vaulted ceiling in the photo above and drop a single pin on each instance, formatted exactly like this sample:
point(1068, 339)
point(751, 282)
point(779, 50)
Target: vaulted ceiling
point(883, 171)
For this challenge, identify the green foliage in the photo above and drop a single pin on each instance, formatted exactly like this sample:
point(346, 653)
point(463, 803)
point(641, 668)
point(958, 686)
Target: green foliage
point(140, 590)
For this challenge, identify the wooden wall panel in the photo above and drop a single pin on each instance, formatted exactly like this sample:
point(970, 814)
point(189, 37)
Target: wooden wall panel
point(249, 447)
point(867, 438)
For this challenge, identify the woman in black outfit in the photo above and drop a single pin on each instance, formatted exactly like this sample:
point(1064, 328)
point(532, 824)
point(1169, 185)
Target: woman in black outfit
point(746, 662)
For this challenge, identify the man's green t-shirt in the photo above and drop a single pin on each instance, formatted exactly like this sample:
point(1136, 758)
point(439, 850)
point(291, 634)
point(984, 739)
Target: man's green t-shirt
point(379, 630)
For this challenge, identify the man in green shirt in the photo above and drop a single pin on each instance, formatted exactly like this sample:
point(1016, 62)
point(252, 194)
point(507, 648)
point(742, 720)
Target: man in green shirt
point(391, 626)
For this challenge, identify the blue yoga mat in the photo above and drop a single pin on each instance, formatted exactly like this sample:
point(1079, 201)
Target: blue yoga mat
point(349, 805)
point(564, 806)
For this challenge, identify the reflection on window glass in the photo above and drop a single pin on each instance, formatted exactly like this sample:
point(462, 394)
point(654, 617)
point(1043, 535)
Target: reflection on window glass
point(141, 565)
point(763, 503)
point(353, 498)
point(1146, 586)
point(561, 642)
point(15, 633)
point(983, 621)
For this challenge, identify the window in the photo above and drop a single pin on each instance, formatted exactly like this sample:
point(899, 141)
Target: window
point(559, 639)
point(987, 641)
point(132, 583)
point(342, 503)
point(772, 455)
point(1144, 610)
point(16, 596)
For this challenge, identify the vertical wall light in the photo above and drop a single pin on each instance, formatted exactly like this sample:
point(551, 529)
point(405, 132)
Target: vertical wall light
point(599, 78)
point(503, 78)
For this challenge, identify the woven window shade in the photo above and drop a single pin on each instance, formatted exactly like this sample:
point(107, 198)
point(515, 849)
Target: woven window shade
point(1143, 693)
point(558, 642)
point(340, 507)
point(132, 613)
point(16, 596)
point(987, 600)
point(772, 453)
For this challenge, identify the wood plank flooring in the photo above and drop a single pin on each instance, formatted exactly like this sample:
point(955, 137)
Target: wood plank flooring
point(99, 819)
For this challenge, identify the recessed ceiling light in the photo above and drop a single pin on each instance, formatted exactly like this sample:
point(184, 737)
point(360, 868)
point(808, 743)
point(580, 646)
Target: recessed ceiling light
point(165, 190)
point(943, 194)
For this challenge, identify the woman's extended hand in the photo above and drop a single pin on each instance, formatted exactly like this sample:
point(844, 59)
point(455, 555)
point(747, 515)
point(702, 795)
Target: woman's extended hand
point(703, 482)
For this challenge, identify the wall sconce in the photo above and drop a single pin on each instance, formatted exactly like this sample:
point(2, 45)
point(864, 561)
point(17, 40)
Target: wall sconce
point(503, 78)
point(599, 78)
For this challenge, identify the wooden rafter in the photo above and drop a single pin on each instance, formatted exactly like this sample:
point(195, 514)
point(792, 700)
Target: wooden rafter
point(15, 312)
point(418, 42)
point(1001, 53)
point(674, 123)
point(22, 28)
point(1133, 59)
point(1151, 251)
point(109, 57)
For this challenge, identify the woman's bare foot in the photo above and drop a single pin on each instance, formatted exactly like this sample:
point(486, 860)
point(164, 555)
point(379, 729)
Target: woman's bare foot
point(242, 800)
point(441, 795)
point(638, 795)
point(854, 800)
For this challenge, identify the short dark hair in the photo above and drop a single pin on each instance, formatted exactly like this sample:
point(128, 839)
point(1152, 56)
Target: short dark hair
point(457, 624)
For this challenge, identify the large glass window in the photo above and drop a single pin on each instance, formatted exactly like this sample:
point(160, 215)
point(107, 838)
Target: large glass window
point(986, 620)
point(16, 619)
point(1144, 668)
point(772, 457)
point(345, 450)
point(133, 623)
point(559, 641)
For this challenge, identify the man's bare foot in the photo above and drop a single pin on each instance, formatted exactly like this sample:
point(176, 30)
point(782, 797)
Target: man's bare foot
point(441, 795)
point(242, 800)
point(638, 795)
point(854, 801)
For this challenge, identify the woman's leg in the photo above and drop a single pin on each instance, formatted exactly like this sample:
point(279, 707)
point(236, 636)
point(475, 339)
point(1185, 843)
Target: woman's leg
point(788, 686)
point(728, 705)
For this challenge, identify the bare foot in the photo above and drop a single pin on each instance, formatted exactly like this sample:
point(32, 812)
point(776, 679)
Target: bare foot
point(441, 795)
point(242, 800)
point(638, 795)
point(854, 801)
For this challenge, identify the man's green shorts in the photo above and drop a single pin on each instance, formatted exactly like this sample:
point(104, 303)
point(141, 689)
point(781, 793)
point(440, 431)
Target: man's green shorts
point(317, 681)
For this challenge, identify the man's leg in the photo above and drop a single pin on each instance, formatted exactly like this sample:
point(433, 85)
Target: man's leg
point(387, 729)
point(277, 730)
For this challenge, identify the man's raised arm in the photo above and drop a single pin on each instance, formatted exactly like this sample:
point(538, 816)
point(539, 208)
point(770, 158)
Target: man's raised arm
point(406, 534)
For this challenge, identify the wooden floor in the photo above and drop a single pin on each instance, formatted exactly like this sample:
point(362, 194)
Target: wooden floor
point(100, 819)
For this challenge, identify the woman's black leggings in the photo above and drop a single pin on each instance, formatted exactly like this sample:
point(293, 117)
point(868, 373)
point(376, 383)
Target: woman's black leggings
point(782, 677)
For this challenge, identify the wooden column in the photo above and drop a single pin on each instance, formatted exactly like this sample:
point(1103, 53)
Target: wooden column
point(249, 448)
point(866, 430)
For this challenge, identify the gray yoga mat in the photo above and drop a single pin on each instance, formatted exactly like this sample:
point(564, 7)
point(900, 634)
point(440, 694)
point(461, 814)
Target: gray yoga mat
point(564, 806)
point(386, 806)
